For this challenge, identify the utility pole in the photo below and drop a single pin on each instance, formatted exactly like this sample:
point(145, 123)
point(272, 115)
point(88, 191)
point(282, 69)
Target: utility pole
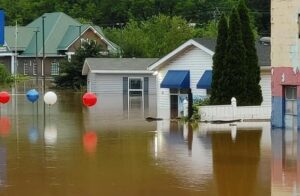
point(36, 56)
point(79, 36)
point(43, 71)
point(43, 68)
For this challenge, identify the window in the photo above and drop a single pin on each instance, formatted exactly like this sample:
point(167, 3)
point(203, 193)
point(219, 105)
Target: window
point(135, 84)
point(54, 68)
point(291, 100)
point(26, 68)
point(82, 41)
point(34, 68)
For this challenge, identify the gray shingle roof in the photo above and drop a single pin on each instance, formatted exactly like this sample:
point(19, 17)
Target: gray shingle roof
point(263, 51)
point(119, 63)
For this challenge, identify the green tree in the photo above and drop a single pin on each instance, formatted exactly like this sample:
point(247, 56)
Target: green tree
point(154, 37)
point(5, 76)
point(233, 78)
point(70, 72)
point(253, 88)
point(219, 62)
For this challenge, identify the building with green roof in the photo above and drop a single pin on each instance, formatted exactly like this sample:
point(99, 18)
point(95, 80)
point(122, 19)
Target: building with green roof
point(62, 35)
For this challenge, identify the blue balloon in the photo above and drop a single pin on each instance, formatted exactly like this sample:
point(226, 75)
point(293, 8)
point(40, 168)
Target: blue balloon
point(32, 95)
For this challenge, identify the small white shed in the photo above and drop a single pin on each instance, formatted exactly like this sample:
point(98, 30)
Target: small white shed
point(122, 83)
point(189, 67)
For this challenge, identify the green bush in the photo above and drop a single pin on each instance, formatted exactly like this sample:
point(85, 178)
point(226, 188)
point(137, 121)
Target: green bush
point(5, 76)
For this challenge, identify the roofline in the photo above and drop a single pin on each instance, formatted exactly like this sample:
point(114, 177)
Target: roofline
point(95, 31)
point(54, 55)
point(123, 71)
point(84, 72)
point(183, 46)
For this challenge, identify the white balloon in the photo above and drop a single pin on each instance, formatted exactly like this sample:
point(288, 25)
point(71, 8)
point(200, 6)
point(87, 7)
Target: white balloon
point(50, 98)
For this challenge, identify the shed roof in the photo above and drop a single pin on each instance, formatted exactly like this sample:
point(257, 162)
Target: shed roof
point(117, 65)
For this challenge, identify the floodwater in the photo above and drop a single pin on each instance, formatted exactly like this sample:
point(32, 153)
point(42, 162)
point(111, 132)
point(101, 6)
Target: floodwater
point(111, 150)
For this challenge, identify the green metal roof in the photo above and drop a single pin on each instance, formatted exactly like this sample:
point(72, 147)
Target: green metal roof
point(56, 25)
point(25, 36)
point(60, 32)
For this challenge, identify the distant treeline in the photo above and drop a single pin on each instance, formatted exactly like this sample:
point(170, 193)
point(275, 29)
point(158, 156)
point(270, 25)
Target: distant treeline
point(116, 13)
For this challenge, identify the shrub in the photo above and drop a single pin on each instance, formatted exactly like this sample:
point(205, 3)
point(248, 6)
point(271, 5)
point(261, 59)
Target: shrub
point(5, 76)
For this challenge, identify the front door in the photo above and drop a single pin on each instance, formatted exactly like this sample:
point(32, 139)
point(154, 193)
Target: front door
point(174, 106)
point(290, 106)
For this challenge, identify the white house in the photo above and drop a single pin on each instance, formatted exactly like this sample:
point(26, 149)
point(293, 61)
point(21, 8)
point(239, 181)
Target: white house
point(188, 67)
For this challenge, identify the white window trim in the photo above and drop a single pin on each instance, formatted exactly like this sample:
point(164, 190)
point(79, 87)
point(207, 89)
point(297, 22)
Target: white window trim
point(25, 68)
point(55, 74)
point(142, 80)
point(34, 64)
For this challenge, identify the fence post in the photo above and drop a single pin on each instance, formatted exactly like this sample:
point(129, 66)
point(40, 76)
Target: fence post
point(233, 104)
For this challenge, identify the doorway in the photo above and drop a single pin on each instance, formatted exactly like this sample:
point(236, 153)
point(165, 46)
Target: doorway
point(135, 97)
point(177, 96)
point(290, 109)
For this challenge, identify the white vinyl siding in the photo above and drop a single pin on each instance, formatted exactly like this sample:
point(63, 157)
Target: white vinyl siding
point(265, 84)
point(193, 59)
point(113, 83)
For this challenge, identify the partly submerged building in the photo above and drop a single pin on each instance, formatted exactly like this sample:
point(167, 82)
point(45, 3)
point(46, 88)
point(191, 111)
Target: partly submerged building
point(124, 84)
point(62, 35)
point(190, 67)
point(167, 80)
point(285, 37)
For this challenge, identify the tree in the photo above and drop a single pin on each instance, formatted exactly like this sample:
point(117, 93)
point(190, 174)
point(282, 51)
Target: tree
point(5, 76)
point(253, 88)
point(70, 72)
point(154, 37)
point(219, 62)
point(234, 72)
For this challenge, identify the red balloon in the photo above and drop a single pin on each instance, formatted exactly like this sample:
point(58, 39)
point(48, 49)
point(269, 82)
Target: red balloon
point(4, 97)
point(89, 99)
point(4, 126)
point(90, 141)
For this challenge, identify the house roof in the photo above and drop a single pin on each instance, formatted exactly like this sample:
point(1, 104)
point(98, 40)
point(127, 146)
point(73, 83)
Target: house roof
point(208, 45)
point(72, 34)
point(178, 50)
point(117, 65)
point(263, 50)
point(25, 36)
point(56, 25)
point(60, 31)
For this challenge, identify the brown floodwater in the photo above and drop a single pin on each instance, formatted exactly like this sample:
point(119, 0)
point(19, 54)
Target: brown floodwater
point(111, 150)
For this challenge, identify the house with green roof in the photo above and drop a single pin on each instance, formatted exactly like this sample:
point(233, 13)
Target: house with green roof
point(62, 35)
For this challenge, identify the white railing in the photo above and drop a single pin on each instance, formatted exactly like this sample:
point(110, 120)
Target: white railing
point(233, 112)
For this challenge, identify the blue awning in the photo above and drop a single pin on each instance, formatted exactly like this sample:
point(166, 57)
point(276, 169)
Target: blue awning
point(205, 80)
point(176, 79)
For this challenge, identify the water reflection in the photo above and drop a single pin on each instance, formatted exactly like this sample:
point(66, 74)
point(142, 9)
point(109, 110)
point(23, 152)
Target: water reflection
point(286, 159)
point(90, 142)
point(214, 162)
point(33, 135)
point(5, 126)
point(50, 134)
point(135, 158)
point(236, 162)
point(3, 165)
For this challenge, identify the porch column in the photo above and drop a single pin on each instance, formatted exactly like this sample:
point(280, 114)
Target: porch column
point(12, 64)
